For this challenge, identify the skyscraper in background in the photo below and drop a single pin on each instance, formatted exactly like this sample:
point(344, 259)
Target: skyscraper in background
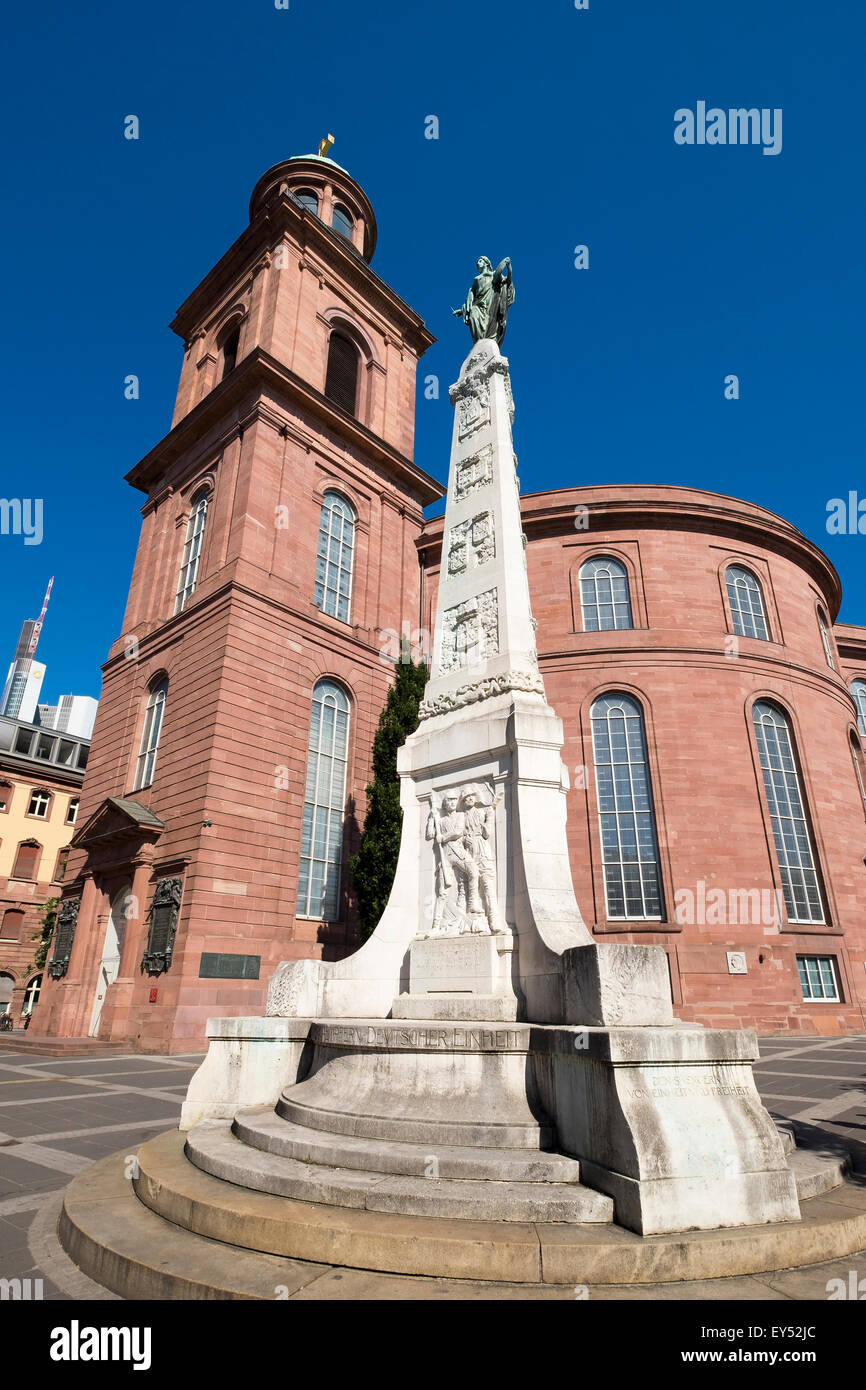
point(24, 681)
point(73, 714)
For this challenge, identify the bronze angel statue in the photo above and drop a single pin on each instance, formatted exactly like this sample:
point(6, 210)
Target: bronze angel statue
point(485, 311)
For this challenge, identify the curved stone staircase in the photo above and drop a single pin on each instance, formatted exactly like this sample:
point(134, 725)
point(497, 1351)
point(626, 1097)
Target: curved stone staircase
point(270, 1203)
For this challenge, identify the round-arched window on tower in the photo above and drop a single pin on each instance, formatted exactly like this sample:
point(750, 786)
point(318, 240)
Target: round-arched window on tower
point(343, 221)
point(230, 351)
point(341, 379)
point(307, 198)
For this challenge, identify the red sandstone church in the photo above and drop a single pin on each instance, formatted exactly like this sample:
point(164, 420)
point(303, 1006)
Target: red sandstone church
point(715, 716)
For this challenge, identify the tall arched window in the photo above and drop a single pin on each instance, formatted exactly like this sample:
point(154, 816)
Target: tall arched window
point(604, 597)
point(7, 985)
point(858, 695)
point(341, 379)
point(747, 603)
point(859, 766)
point(335, 556)
point(825, 638)
point(342, 221)
point(192, 550)
point(629, 845)
point(229, 351)
point(791, 832)
point(307, 198)
point(146, 766)
point(324, 804)
point(27, 860)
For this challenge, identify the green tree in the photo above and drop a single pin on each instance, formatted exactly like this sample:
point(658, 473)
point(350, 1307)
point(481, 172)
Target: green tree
point(47, 915)
point(374, 865)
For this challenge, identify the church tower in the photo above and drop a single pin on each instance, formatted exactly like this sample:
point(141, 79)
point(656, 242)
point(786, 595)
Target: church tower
point(224, 792)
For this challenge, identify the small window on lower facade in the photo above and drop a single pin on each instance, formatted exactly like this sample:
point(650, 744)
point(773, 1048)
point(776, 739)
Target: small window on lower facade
point(818, 979)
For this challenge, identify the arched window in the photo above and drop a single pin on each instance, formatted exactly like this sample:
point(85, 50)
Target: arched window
point(31, 995)
point(27, 860)
point(341, 379)
point(40, 801)
point(825, 638)
point(12, 925)
point(335, 556)
point(60, 866)
point(629, 846)
point(7, 985)
point(307, 198)
point(859, 765)
point(146, 766)
point(858, 695)
point(791, 832)
point(230, 351)
point(324, 804)
point(747, 603)
point(342, 221)
point(604, 597)
point(191, 550)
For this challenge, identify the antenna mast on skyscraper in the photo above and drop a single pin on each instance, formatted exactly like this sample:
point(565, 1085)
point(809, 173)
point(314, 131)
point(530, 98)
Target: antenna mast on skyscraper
point(31, 650)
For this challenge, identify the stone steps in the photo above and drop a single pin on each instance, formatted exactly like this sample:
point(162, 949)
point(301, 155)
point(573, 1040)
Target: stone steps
point(215, 1150)
point(179, 1233)
point(412, 1129)
point(39, 1046)
point(817, 1170)
point(127, 1248)
point(262, 1129)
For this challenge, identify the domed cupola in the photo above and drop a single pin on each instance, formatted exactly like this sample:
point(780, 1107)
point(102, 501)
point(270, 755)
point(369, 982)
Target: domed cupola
point(326, 191)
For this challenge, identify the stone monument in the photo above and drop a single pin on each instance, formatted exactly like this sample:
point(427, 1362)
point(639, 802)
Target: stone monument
point(481, 1017)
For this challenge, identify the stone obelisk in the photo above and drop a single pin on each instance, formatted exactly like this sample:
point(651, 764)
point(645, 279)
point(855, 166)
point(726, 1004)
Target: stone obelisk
point(482, 920)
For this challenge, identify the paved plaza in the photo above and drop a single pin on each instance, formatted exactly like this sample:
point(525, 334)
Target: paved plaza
point(58, 1115)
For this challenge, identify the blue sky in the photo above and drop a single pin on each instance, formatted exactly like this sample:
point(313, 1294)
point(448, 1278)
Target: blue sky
point(555, 129)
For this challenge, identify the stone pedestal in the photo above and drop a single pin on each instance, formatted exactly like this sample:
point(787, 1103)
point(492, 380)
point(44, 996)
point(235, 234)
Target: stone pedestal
point(668, 1122)
point(612, 984)
point(248, 1062)
point(465, 977)
point(665, 1122)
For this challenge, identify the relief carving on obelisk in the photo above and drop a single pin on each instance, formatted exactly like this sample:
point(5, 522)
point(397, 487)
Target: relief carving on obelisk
point(472, 539)
point(473, 409)
point(474, 473)
point(470, 631)
point(462, 828)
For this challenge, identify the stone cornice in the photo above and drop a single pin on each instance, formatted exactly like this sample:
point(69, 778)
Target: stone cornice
point(42, 773)
point(661, 507)
point(647, 654)
point(283, 215)
point(166, 633)
point(260, 371)
point(851, 641)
